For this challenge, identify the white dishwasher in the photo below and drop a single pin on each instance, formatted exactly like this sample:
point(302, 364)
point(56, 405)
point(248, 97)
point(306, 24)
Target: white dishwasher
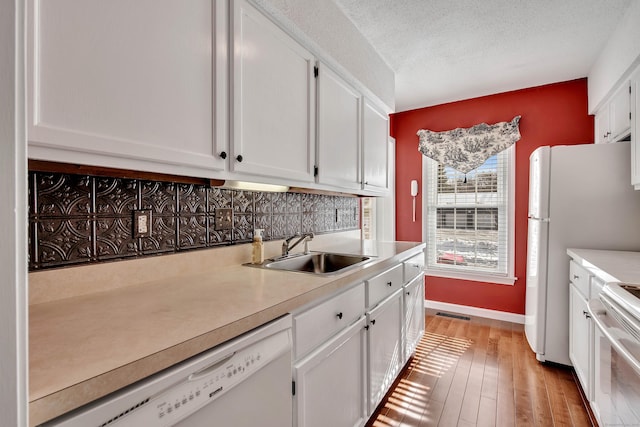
point(243, 382)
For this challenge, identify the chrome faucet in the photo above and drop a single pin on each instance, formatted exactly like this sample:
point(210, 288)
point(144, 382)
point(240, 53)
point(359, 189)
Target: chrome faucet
point(305, 237)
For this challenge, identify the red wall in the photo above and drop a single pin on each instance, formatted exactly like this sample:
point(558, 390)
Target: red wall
point(554, 114)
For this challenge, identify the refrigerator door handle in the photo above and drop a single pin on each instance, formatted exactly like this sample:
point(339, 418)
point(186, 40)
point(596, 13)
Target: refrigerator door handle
point(539, 219)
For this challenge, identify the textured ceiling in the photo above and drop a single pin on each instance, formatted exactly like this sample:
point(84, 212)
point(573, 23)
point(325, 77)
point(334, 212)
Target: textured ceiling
point(448, 50)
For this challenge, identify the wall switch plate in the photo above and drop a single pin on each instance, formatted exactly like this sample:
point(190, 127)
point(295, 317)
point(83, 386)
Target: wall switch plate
point(223, 219)
point(142, 223)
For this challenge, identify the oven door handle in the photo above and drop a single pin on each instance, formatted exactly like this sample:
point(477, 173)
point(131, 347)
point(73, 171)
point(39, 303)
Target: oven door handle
point(610, 329)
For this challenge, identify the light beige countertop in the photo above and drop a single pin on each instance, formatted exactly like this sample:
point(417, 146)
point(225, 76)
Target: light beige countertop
point(611, 266)
point(96, 329)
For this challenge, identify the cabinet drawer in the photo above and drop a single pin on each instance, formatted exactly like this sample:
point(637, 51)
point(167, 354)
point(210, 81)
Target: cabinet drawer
point(413, 266)
point(579, 276)
point(383, 285)
point(314, 326)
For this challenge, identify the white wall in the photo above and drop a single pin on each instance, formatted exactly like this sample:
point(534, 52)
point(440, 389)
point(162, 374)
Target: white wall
point(13, 218)
point(322, 24)
point(619, 56)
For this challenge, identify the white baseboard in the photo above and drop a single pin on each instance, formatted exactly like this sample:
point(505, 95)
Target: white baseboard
point(475, 311)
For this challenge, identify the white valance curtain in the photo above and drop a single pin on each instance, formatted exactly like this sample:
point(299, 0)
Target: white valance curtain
point(464, 149)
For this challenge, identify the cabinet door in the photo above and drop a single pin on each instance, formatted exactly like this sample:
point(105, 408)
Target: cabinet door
point(273, 99)
point(329, 383)
point(385, 347)
point(413, 315)
point(128, 84)
point(602, 126)
point(338, 131)
point(619, 117)
point(635, 129)
point(580, 338)
point(375, 137)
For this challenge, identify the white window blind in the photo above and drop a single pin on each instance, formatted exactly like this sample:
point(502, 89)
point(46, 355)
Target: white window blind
point(469, 218)
point(368, 218)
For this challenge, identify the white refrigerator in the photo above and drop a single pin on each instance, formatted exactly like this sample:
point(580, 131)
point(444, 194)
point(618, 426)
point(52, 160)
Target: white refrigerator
point(580, 196)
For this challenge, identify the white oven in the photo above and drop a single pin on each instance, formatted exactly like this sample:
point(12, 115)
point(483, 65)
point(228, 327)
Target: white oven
point(616, 313)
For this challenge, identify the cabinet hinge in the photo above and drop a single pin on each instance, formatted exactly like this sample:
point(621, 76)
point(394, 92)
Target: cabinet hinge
point(293, 388)
point(629, 89)
point(315, 72)
point(315, 171)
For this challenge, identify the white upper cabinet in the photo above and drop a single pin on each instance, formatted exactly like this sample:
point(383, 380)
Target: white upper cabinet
point(338, 140)
point(635, 129)
point(273, 119)
point(602, 126)
point(375, 129)
point(620, 113)
point(204, 88)
point(128, 84)
point(613, 120)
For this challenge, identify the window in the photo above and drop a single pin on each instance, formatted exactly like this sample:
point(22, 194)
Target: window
point(468, 223)
point(368, 218)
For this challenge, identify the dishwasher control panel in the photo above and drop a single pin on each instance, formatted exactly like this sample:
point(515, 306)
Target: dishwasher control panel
point(202, 388)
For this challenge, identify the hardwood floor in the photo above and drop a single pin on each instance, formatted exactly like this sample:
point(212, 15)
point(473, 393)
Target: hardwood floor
point(480, 372)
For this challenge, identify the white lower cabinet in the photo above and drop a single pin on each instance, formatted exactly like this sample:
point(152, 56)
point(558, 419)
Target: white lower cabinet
point(316, 325)
point(413, 297)
point(329, 382)
point(580, 341)
point(348, 354)
point(583, 284)
point(384, 337)
point(384, 284)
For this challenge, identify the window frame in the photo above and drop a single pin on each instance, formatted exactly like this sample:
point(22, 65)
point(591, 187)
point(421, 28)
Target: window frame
point(468, 273)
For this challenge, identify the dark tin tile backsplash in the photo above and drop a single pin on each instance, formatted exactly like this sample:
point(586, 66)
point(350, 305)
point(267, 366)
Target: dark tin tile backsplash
point(79, 219)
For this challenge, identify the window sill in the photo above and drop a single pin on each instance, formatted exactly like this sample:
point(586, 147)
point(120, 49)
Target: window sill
point(476, 277)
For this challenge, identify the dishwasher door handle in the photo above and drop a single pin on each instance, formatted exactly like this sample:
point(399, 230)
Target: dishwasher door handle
point(210, 368)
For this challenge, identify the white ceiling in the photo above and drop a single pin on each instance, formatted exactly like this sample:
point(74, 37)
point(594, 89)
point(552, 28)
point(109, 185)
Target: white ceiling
point(448, 50)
